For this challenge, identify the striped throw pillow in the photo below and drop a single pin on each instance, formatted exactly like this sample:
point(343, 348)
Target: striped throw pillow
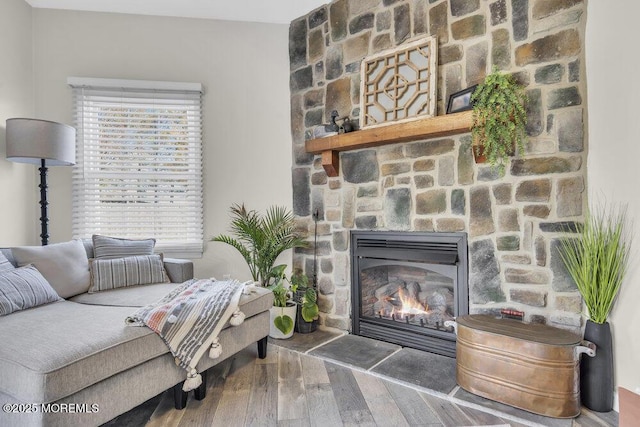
point(23, 288)
point(116, 273)
point(105, 247)
point(5, 264)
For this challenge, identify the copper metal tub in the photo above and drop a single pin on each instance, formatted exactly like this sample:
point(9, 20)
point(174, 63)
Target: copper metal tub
point(530, 366)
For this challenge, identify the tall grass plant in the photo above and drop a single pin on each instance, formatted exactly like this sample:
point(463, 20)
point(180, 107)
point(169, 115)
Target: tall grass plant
point(597, 258)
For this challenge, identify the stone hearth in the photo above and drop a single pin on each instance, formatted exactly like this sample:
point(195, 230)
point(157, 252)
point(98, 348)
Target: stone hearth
point(513, 220)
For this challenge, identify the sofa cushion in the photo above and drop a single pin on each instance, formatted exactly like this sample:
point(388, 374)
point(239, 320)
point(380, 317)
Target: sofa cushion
point(105, 247)
point(22, 288)
point(64, 265)
point(132, 296)
point(260, 299)
point(5, 264)
point(115, 273)
point(42, 360)
point(256, 301)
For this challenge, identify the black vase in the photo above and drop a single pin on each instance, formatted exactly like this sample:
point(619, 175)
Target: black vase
point(302, 326)
point(596, 373)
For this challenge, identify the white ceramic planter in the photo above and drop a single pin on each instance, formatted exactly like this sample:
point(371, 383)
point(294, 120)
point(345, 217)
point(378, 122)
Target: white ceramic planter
point(274, 312)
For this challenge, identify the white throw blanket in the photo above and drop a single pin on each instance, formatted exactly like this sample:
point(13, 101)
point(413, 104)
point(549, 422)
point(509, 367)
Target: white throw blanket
point(190, 318)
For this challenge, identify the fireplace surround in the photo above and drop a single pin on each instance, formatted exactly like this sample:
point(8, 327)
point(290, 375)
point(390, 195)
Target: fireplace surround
point(513, 219)
point(405, 285)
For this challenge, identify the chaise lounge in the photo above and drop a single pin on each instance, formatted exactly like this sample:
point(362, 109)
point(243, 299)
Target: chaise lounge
point(74, 362)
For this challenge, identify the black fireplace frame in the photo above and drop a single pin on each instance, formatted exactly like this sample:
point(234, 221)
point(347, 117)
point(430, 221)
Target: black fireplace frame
point(435, 248)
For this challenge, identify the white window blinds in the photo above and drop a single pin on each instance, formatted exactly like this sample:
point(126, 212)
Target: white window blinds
point(139, 162)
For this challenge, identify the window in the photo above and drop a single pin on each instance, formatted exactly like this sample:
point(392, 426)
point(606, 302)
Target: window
point(139, 162)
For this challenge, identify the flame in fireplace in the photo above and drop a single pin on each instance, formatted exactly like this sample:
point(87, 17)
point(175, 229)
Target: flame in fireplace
point(414, 305)
point(410, 305)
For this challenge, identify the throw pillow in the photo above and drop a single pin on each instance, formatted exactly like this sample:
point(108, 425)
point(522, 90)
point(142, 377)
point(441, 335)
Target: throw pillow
point(64, 265)
point(130, 271)
point(105, 247)
point(23, 288)
point(5, 264)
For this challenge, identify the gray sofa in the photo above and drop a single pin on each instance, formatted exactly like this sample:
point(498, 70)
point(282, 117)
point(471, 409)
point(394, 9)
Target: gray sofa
point(75, 363)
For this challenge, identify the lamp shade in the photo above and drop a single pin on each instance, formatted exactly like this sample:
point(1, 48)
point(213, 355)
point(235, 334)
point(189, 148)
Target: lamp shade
point(34, 140)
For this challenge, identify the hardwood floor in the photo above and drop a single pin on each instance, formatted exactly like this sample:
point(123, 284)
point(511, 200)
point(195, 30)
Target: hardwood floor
point(289, 388)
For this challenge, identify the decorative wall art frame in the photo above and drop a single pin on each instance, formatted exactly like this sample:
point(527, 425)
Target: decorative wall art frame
point(399, 84)
point(461, 101)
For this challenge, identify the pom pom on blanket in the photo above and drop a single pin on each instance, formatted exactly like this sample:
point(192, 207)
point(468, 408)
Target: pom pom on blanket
point(193, 381)
point(216, 350)
point(237, 318)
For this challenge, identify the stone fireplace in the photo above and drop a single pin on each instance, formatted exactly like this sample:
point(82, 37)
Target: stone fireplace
point(514, 219)
point(405, 286)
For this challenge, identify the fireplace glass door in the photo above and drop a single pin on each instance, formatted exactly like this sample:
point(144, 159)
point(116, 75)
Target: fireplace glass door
point(415, 294)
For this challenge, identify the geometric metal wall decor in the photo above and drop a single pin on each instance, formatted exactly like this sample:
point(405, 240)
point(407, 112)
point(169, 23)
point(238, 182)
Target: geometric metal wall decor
point(399, 84)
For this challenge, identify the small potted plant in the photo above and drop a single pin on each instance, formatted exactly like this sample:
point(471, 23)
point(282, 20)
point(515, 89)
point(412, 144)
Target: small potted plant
point(499, 119)
point(307, 299)
point(283, 312)
point(597, 258)
point(261, 238)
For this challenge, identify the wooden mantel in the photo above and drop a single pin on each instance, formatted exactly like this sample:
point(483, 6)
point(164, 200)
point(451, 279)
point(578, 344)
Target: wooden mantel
point(432, 127)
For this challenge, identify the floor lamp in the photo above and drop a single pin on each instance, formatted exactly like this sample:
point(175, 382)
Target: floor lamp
point(43, 143)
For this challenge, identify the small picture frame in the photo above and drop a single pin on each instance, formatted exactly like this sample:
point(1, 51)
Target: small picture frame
point(461, 101)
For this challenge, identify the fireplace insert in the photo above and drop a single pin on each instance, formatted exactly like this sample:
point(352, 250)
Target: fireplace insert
point(405, 285)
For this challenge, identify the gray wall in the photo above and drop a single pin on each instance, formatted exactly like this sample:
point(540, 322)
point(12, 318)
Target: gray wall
point(243, 67)
point(614, 149)
point(18, 210)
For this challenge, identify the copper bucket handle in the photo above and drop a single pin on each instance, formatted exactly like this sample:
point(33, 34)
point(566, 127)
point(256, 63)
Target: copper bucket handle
point(586, 347)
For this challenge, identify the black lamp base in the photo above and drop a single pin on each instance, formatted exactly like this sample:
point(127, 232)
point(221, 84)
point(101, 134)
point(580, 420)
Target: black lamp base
point(44, 218)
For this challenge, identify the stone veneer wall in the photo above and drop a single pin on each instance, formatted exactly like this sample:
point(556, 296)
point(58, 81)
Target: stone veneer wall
point(513, 220)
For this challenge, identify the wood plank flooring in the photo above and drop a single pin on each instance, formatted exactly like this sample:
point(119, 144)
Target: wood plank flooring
point(294, 389)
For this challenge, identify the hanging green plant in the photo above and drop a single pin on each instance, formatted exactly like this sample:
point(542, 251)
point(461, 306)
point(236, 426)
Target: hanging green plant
point(499, 118)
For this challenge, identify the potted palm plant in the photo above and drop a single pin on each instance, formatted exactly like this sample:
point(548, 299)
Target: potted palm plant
point(597, 257)
point(499, 119)
point(261, 238)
